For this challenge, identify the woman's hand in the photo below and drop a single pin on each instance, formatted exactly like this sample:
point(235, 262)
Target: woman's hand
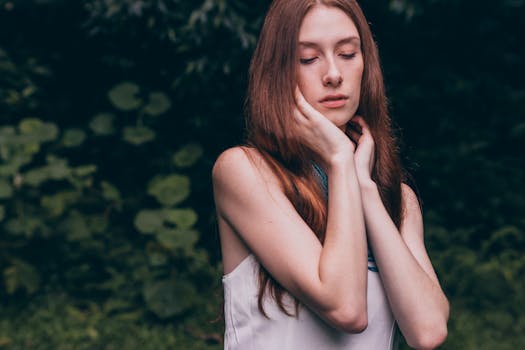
point(322, 136)
point(364, 155)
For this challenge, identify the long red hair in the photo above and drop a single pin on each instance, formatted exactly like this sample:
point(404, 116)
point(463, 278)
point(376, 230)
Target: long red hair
point(269, 107)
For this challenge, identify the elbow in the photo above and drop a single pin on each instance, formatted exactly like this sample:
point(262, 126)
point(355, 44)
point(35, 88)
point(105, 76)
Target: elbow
point(350, 320)
point(430, 338)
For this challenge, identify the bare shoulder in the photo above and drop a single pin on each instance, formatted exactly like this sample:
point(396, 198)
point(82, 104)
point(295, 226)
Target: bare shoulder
point(409, 197)
point(412, 224)
point(240, 165)
point(235, 158)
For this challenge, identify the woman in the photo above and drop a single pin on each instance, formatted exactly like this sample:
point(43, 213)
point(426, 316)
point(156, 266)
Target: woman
point(322, 242)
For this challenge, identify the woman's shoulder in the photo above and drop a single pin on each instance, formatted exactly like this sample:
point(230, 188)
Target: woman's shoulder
point(410, 195)
point(240, 164)
point(232, 156)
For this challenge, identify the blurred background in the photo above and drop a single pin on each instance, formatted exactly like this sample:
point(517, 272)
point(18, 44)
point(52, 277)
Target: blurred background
point(112, 113)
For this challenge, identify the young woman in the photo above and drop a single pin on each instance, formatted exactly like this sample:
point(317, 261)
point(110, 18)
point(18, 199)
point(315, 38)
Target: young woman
point(322, 242)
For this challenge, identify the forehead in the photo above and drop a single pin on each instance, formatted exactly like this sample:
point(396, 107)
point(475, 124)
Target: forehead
point(325, 24)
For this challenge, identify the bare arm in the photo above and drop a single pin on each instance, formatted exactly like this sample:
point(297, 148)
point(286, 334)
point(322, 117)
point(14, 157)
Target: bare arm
point(331, 279)
point(417, 301)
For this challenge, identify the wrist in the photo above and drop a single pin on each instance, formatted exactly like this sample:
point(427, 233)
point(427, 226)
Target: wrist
point(367, 185)
point(340, 161)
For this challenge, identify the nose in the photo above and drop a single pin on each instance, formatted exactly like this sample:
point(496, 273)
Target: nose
point(333, 75)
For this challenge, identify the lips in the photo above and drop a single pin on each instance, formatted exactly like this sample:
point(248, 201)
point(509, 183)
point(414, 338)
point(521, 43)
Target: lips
point(333, 98)
point(334, 101)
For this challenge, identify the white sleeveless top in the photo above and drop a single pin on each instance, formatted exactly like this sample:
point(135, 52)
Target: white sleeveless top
point(247, 329)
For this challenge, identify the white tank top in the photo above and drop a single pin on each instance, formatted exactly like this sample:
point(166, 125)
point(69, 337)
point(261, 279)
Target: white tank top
point(247, 329)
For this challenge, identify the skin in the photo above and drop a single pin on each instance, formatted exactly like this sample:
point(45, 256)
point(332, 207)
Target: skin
point(333, 57)
point(253, 212)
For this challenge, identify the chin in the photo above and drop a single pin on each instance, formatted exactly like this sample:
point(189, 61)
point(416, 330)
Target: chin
point(339, 118)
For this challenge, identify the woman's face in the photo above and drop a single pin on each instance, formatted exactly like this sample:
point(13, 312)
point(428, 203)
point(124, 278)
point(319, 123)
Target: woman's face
point(330, 63)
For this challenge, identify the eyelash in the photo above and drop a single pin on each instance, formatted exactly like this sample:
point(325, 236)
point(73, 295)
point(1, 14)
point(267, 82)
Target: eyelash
point(307, 60)
point(310, 60)
point(349, 56)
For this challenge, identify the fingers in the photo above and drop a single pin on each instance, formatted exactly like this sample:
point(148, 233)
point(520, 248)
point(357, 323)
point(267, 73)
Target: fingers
point(299, 117)
point(359, 121)
point(357, 129)
point(301, 103)
point(353, 130)
point(304, 107)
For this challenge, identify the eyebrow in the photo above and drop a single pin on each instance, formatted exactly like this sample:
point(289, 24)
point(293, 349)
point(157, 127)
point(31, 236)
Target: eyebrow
point(350, 39)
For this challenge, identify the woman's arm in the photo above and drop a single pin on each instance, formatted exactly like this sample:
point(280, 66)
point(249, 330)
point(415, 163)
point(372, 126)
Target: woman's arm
point(417, 301)
point(331, 279)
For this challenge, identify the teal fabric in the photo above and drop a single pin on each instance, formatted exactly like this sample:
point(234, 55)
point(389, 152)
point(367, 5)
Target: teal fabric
point(323, 178)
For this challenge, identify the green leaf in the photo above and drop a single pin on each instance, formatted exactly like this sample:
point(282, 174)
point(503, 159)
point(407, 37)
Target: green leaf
point(200, 260)
point(6, 134)
point(2, 212)
point(158, 103)
point(56, 204)
point(504, 239)
point(172, 239)
point(138, 135)
point(169, 297)
point(102, 124)
point(23, 226)
point(21, 275)
point(148, 221)
point(73, 137)
point(183, 218)
point(31, 148)
point(97, 223)
point(85, 170)
point(188, 155)
point(6, 190)
point(75, 227)
point(58, 170)
point(157, 258)
point(53, 204)
point(42, 131)
point(110, 192)
point(9, 169)
point(35, 177)
point(123, 96)
point(170, 190)
point(28, 91)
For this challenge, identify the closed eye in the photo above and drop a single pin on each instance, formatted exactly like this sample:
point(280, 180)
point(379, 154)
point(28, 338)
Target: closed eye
point(307, 60)
point(349, 56)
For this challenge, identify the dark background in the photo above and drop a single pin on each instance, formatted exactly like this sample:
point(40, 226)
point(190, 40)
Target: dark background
point(112, 113)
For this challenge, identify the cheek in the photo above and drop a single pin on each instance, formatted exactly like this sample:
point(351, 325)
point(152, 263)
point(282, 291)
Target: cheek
point(302, 78)
point(355, 75)
point(306, 83)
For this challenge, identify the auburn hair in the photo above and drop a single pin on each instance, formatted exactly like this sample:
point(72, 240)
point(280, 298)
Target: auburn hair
point(269, 105)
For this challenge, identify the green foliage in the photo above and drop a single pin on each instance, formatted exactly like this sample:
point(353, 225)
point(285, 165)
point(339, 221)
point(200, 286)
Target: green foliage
point(188, 155)
point(83, 215)
point(62, 323)
point(169, 190)
point(158, 104)
point(169, 297)
point(138, 135)
point(124, 96)
point(102, 124)
point(21, 275)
